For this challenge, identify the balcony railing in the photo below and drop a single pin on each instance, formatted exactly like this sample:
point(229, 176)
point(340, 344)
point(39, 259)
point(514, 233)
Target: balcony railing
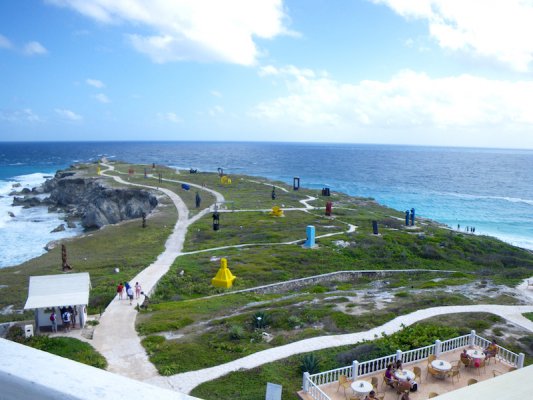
point(311, 383)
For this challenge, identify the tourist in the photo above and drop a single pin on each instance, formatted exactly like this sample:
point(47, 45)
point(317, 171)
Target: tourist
point(72, 316)
point(491, 350)
point(120, 289)
point(465, 358)
point(53, 320)
point(66, 320)
point(403, 386)
point(130, 293)
point(371, 395)
point(137, 290)
point(389, 377)
point(398, 366)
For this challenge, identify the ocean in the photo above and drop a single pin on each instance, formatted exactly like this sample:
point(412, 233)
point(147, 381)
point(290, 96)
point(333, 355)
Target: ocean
point(489, 189)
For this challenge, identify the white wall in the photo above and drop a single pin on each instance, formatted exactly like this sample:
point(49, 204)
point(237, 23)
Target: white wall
point(29, 374)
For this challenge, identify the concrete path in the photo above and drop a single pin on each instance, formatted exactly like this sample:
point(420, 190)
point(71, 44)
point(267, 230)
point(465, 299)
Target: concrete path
point(115, 337)
point(187, 381)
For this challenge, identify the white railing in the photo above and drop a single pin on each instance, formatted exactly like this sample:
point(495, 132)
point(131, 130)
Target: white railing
point(316, 393)
point(415, 355)
point(323, 378)
point(455, 343)
point(356, 370)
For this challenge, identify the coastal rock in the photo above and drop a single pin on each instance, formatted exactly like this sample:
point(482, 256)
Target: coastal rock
point(90, 200)
point(11, 214)
point(60, 228)
point(15, 185)
point(71, 224)
point(26, 201)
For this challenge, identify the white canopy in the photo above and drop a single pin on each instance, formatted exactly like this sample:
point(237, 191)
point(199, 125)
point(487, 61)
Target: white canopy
point(58, 290)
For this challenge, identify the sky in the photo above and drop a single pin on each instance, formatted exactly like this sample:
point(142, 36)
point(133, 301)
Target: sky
point(411, 72)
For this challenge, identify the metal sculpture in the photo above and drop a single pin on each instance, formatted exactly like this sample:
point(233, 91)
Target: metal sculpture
point(65, 265)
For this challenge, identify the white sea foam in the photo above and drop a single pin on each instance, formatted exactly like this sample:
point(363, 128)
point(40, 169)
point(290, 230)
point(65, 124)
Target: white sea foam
point(24, 236)
point(481, 197)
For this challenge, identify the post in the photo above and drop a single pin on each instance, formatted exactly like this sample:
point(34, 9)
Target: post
point(375, 227)
point(472, 339)
point(305, 383)
point(399, 355)
point(296, 183)
point(412, 217)
point(438, 347)
point(406, 217)
point(520, 360)
point(355, 369)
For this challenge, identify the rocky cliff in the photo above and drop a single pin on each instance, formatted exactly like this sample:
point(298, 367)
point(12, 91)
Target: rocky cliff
point(89, 199)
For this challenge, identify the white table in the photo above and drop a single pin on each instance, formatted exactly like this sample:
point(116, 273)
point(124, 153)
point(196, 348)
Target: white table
point(403, 374)
point(477, 354)
point(441, 365)
point(361, 388)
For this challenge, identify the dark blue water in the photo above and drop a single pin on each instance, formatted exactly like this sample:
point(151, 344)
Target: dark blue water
point(486, 188)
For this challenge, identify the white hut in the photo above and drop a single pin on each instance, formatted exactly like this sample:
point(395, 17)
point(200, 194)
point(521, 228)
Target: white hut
point(52, 292)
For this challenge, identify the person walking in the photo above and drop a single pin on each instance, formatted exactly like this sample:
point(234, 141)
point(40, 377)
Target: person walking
point(120, 289)
point(137, 290)
point(130, 293)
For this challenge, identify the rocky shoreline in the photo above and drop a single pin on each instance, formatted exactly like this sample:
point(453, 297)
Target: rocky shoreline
point(86, 199)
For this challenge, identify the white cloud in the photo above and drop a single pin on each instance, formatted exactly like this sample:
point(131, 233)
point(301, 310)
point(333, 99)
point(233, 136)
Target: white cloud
point(34, 48)
point(24, 115)
point(408, 100)
point(5, 43)
point(68, 114)
point(200, 30)
point(499, 29)
point(170, 117)
point(95, 83)
point(216, 110)
point(216, 93)
point(102, 98)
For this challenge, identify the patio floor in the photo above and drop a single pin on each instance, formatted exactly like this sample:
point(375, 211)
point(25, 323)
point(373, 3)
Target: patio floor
point(427, 385)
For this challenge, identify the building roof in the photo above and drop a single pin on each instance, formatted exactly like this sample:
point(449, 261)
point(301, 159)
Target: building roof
point(58, 290)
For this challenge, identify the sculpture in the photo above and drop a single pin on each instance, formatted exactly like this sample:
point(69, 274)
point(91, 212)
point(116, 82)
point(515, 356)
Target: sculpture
point(273, 193)
point(198, 200)
point(66, 267)
point(277, 212)
point(224, 278)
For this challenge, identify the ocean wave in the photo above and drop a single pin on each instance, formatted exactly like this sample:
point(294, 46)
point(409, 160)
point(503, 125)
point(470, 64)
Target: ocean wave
point(484, 197)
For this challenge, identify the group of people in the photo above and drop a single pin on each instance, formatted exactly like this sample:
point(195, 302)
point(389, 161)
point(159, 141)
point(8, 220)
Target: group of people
point(402, 386)
point(490, 351)
point(129, 291)
point(68, 317)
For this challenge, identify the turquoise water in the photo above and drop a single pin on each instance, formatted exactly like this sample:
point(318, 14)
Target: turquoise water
point(489, 189)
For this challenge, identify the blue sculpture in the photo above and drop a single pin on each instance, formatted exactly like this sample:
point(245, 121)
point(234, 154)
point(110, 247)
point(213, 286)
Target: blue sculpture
point(310, 232)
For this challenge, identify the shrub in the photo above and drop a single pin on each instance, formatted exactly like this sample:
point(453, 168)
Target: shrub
point(260, 320)
point(310, 363)
point(293, 321)
point(318, 289)
point(236, 332)
point(15, 334)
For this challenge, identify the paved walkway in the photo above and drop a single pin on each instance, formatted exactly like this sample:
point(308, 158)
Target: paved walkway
point(115, 337)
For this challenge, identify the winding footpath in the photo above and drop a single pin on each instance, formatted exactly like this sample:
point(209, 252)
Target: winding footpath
point(117, 340)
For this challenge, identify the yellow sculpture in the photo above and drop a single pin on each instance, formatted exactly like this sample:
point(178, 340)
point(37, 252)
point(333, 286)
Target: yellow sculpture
point(277, 212)
point(98, 170)
point(224, 278)
point(225, 180)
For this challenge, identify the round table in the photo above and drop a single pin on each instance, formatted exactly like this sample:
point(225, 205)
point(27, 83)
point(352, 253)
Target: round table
point(361, 388)
point(403, 374)
point(477, 354)
point(441, 365)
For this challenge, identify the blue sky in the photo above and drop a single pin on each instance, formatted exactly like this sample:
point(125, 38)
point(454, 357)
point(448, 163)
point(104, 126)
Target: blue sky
point(425, 72)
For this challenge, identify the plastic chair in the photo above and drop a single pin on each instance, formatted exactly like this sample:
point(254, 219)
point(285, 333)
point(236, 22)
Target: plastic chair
point(479, 364)
point(454, 372)
point(374, 381)
point(433, 372)
point(471, 381)
point(432, 394)
point(344, 382)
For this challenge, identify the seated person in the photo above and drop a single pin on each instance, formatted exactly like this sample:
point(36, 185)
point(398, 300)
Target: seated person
point(491, 350)
point(465, 358)
point(371, 395)
point(403, 386)
point(398, 366)
point(389, 377)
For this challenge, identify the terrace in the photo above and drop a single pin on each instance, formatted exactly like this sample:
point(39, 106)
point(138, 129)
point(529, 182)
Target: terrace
point(325, 385)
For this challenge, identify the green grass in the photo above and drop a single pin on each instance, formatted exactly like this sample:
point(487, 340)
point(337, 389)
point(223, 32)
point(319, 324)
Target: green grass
point(126, 246)
point(528, 315)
